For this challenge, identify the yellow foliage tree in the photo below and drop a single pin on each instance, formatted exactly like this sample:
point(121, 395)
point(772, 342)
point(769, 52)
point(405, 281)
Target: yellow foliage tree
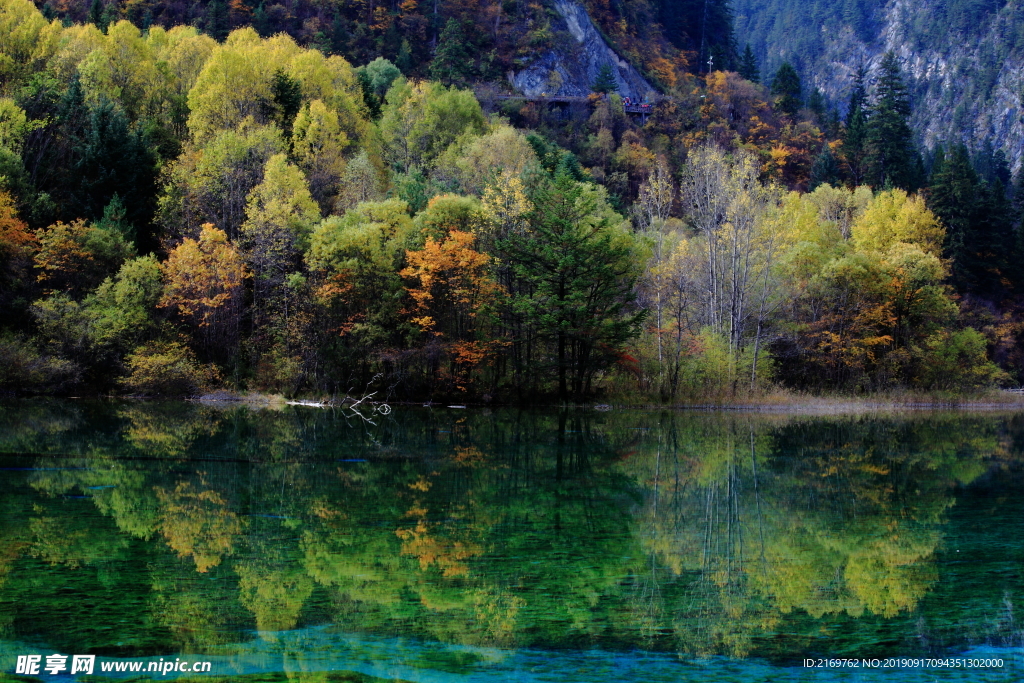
point(203, 282)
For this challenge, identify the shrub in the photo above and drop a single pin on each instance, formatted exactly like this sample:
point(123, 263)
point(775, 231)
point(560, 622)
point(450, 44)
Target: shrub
point(24, 369)
point(168, 369)
point(956, 361)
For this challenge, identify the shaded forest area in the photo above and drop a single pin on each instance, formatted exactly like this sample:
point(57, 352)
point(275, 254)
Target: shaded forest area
point(664, 38)
point(181, 212)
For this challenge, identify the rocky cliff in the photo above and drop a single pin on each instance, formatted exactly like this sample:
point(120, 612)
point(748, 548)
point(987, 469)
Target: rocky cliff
point(964, 64)
point(570, 68)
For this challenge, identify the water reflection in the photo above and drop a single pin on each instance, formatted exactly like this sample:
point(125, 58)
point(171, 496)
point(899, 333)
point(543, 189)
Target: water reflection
point(158, 528)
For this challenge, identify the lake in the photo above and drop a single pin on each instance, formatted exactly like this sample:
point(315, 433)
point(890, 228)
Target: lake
point(444, 545)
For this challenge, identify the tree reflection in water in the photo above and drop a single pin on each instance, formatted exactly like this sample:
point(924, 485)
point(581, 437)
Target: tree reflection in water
point(179, 527)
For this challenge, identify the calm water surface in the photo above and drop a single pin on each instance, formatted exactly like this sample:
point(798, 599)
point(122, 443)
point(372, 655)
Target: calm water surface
point(455, 546)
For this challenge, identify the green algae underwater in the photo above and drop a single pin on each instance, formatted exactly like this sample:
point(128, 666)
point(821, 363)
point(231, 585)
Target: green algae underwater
point(439, 545)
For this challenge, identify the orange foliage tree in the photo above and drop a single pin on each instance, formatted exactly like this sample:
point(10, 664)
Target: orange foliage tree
point(203, 283)
point(17, 244)
point(451, 288)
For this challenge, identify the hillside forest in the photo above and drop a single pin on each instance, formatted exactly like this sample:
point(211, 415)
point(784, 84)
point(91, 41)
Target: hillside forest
point(328, 211)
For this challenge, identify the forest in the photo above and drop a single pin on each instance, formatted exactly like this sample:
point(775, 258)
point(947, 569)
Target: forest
point(232, 205)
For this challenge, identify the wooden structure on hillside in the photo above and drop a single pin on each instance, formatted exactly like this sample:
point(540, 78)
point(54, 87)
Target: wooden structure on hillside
point(629, 105)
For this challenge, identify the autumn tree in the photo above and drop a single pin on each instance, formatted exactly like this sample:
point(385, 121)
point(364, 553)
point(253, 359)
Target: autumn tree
point(280, 215)
point(16, 246)
point(203, 283)
point(75, 257)
point(451, 286)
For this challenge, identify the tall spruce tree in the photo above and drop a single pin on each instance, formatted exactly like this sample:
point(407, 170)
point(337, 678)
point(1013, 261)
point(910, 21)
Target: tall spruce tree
point(748, 66)
point(952, 197)
point(287, 98)
point(605, 81)
point(825, 169)
point(577, 272)
point(816, 103)
point(890, 157)
point(786, 88)
point(980, 240)
point(855, 139)
point(453, 64)
point(115, 159)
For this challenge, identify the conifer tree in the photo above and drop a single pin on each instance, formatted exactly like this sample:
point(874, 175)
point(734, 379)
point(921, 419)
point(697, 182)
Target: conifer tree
point(952, 196)
point(287, 94)
point(786, 88)
point(890, 158)
point(96, 14)
point(856, 128)
point(217, 20)
point(825, 170)
point(816, 103)
point(605, 81)
point(578, 280)
point(748, 66)
point(452, 63)
point(980, 240)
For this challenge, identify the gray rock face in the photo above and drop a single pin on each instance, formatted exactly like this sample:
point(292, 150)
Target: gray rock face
point(572, 66)
point(963, 89)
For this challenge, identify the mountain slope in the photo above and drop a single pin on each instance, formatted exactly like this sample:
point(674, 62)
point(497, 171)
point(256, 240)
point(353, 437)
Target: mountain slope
point(964, 59)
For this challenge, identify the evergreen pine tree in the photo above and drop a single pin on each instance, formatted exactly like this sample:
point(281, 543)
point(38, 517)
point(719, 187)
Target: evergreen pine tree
point(786, 88)
point(453, 64)
point(115, 218)
point(259, 21)
point(832, 125)
point(217, 20)
point(404, 58)
point(605, 81)
point(890, 156)
point(995, 240)
point(952, 195)
point(339, 34)
point(748, 66)
point(825, 170)
point(856, 128)
point(114, 160)
point(816, 103)
point(96, 15)
point(287, 94)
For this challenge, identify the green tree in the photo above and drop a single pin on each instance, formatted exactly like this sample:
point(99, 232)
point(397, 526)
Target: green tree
point(286, 93)
point(453, 62)
point(280, 216)
point(890, 155)
point(605, 81)
point(748, 66)
point(953, 198)
point(855, 136)
point(786, 88)
point(816, 103)
point(825, 169)
point(577, 265)
point(116, 159)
